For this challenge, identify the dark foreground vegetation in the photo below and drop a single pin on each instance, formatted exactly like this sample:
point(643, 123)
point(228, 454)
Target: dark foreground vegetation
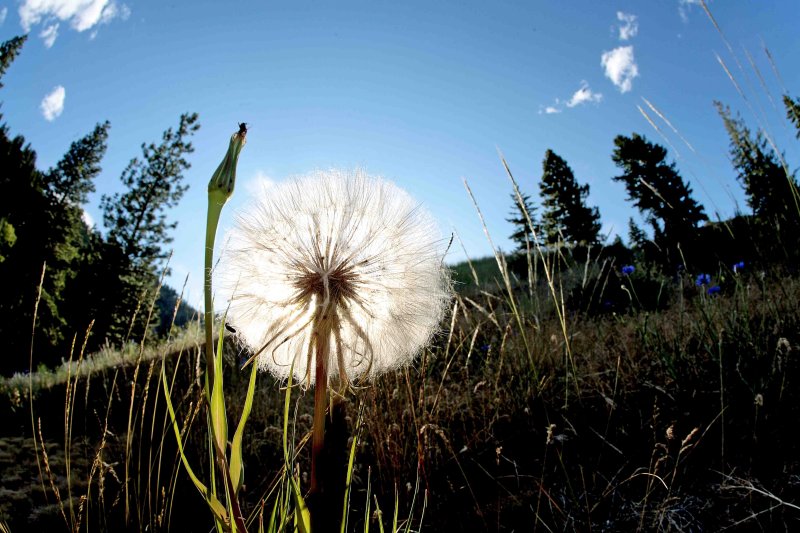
point(679, 418)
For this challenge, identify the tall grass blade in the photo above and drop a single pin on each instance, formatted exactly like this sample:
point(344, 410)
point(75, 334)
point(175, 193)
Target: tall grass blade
point(301, 513)
point(349, 480)
point(237, 466)
point(216, 506)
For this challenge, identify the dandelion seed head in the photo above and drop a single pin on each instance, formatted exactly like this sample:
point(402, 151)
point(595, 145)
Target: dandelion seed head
point(340, 258)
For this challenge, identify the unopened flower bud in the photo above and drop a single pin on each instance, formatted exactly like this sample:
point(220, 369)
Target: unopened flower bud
point(224, 178)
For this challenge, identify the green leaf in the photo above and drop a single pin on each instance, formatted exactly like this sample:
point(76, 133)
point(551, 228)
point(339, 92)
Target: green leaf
point(219, 419)
point(349, 480)
point(366, 511)
point(396, 508)
point(214, 504)
point(302, 515)
point(237, 466)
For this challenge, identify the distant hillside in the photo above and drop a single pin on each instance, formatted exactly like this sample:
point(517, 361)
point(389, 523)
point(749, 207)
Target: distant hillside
point(167, 300)
point(485, 268)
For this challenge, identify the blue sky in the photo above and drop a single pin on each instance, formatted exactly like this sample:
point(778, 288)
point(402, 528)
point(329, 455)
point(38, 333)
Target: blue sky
point(423, 93)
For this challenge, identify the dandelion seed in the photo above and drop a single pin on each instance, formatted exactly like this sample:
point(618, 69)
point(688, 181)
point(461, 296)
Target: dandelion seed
point(702, 279)
point(335, 275)
point(335, 266)
point(627, 270)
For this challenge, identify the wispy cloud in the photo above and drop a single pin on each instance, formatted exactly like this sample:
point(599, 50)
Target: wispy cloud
point(49, 35)
point(82, 15)
point(620, 67)
point(258, 183)
point(53, 104)
point(3, 14)
point(629, 26)
point(583, 95)
point(684, 6)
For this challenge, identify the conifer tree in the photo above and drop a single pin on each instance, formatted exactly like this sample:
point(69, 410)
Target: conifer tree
point(72, 179)
point(566, 216)
point(41, 219)
point(8, 52)
point(793, 111)
point(659, 192)
point(522, 233)
point(636, 236)
point(772, 194)
point(137, 224)
point(45, 213)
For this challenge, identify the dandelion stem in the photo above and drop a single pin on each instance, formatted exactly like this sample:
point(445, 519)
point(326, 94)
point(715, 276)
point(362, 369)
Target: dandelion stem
point(320, 406)
point(214, 210)
point(220, 189)
point(316, 501)
point(329, 435)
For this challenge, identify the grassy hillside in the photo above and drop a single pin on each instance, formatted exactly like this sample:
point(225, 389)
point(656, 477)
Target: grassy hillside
point(519, 417)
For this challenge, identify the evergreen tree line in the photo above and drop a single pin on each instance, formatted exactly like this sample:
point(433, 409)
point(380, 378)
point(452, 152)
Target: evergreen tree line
point(84, 281)
point(679, 226)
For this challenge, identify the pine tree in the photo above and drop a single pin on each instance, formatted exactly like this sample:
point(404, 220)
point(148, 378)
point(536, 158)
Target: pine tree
point(566, 216)
point(522, 233)
point(659, 192)
point(8, 52)
point(8, 237)
point(793, 111)
point(44, 210)
point(42, 223)
point(772, 194)
point(636, 236)
point(137, 224)
point(72, 179)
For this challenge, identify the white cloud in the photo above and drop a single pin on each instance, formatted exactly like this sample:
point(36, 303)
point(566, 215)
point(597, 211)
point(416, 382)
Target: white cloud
point(87, 218)
point(258, 183)
point(583, 95)
point(49, 35)
point(53, 104)
point(112, 11)
point(3, 14)
point(81, 14)
point(629, 27)
point(620, 67)
point(684, 6)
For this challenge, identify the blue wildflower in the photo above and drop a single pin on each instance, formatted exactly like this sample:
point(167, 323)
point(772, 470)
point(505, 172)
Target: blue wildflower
point(738, 266)
point(713, 290)
point(627, 270)
point(702, 279)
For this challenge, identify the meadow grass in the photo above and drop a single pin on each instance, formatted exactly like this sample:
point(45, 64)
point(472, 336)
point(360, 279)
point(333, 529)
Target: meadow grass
point(672, 418)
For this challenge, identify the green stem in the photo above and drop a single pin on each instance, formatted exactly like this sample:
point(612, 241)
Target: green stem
point(214, 211)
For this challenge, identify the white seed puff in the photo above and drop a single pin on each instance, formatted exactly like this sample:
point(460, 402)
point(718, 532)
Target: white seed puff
point(338, 258)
